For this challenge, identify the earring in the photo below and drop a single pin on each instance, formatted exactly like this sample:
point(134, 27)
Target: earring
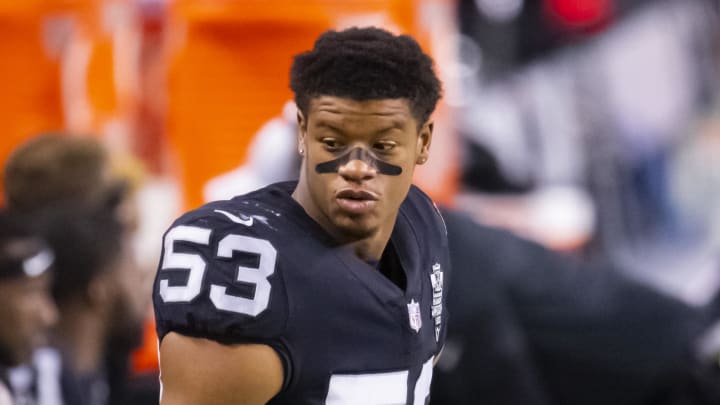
point(421, 159)
point(301, 151)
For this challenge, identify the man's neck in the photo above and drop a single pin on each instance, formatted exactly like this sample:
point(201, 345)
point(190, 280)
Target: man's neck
point(371, 249)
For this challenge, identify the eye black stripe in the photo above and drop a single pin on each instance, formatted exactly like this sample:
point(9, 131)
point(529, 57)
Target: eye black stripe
point(358, 153)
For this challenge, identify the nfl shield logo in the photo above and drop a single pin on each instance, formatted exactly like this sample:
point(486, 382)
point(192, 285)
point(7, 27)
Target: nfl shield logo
point(414, 315)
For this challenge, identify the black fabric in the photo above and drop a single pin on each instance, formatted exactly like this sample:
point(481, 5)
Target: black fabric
point(391, 268)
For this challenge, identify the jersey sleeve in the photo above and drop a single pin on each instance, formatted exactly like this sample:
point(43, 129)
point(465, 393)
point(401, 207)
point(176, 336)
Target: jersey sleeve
point(218, 279)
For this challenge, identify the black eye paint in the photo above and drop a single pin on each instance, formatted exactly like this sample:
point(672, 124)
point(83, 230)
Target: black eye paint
point(358, 153)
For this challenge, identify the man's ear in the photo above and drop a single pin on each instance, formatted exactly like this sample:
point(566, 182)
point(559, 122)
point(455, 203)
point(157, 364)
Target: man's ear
point(423, 142)
point(302, 123)
point(302, 131)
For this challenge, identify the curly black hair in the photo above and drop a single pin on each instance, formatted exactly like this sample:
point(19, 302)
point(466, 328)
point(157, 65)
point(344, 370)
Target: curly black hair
point(366, 64)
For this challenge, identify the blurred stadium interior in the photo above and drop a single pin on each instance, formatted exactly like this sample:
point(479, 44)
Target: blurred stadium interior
point(591, 126)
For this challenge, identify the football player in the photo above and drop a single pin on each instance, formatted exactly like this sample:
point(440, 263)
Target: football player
point(27, 309)
point(331, 289)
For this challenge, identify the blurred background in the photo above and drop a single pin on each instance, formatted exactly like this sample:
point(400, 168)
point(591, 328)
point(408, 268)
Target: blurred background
point(590, 126)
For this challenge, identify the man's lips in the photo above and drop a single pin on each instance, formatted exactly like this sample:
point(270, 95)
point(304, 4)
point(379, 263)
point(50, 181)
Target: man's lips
point(356, 201)
point(356, 194)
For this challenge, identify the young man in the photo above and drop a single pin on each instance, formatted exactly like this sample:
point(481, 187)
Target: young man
point(27, 309)
point(329, 290)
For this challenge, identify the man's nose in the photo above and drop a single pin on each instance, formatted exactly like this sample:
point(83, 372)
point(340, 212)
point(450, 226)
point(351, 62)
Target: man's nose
point(357, 170)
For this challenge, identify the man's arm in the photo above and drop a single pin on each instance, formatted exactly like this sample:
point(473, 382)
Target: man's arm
point(196, 371)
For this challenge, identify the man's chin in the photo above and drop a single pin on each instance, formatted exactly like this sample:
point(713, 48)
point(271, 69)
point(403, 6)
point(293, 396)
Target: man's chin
point(356, 228)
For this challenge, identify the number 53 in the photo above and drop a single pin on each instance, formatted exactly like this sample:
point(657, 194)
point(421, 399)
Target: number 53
point(196, 265)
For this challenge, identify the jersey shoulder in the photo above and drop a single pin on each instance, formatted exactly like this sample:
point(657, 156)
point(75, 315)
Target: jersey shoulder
point(424, 216)
point(265, 213)
point(218, 275)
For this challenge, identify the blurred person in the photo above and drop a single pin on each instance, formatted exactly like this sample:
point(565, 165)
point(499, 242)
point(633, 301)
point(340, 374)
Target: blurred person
point(329, 289)
point(55, 172)
point(97, 294)
point(531, 326)
point(27, 309)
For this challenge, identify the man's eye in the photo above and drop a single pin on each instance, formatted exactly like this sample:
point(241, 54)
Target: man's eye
point(331, 144)
point(384, 146)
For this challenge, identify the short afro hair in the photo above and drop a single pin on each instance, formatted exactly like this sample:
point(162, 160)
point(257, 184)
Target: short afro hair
point(366, 64)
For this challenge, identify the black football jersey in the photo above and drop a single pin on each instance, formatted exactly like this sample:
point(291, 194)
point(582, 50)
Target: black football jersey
point(258, 269)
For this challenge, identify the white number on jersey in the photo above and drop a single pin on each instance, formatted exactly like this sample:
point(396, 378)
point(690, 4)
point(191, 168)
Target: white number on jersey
point(196, 267)
point(378, 388)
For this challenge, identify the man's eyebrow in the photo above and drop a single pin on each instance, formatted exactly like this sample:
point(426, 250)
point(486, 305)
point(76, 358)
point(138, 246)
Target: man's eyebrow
point(395, 124)
point(327, 125)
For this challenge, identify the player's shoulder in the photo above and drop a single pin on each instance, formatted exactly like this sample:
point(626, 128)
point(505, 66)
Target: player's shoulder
point(220, 274)
point(416, 196)
point(422, 212)
point(259, 213)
